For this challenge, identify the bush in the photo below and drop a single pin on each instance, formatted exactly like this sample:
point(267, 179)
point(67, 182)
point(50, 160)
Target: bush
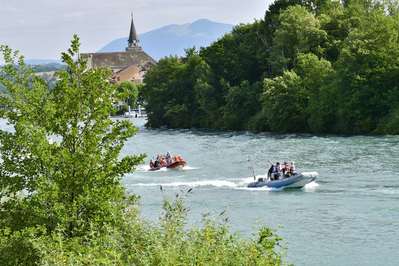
point(137, 242)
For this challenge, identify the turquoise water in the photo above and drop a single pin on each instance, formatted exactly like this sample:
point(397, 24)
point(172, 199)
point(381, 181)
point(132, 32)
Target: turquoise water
point(350, 216)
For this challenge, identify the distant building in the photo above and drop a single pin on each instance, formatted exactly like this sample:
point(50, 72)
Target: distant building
point(130, 65)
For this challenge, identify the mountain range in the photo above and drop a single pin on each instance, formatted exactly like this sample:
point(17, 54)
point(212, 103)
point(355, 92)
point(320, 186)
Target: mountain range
point(174, 39)
point(35, 62)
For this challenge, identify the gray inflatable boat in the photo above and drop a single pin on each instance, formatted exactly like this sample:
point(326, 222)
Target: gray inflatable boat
point(298, 180)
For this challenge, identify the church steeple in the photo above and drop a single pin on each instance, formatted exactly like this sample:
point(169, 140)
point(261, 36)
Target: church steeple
point(133, 42)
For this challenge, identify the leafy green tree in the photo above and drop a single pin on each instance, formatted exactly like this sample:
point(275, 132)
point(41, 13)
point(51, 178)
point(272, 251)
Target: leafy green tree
point(171, 90)
point(285, 103)
point(317, 77)
point(129, 92)
point(299, 32)
point(60, 166)
point(235, 57)
point(241, 102)
point(367, 70)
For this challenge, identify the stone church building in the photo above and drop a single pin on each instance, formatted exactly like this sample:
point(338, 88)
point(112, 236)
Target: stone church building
point(130, 65)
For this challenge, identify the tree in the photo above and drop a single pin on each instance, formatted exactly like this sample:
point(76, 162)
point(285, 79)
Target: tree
point(367, 69)
point(242, 102)
point(317, 77)
point(285, 102)
point(172, 91)
point(299, 32)
point(60, 167)
point(129, 92)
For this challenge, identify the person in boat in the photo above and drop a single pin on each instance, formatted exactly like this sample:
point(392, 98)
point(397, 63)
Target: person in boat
point(168, 158)
point(152, 164)
point(292, 169)
point(156, 163)
point(275, 172)
point(285, 169)
point(270, 171)
point(163, 162)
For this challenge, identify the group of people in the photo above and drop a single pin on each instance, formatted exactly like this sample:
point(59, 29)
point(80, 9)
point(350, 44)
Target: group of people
point(164, 160)
point(279, 171)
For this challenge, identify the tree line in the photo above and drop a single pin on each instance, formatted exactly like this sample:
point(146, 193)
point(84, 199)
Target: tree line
point(317, 66)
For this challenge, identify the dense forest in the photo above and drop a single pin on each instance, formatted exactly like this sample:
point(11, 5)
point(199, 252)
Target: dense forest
point(317, 66)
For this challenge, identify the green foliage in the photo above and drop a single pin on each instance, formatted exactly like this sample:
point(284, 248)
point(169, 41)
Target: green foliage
point(330, 67)
point(140, 243)
point(175, 101)
point(285, 101)
point(61, 197)
point(241, 102)
point(60, 166)
point(317, 81)
point(299, 31)
point(129, 92)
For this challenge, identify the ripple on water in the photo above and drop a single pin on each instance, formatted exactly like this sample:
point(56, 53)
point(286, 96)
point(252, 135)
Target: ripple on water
point(350, 218)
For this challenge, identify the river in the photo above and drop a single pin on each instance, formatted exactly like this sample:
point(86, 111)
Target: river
point(350, 216)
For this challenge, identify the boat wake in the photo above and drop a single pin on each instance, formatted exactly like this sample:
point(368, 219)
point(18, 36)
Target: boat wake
point(147, 168)
point(202, 183)
point(239, 184)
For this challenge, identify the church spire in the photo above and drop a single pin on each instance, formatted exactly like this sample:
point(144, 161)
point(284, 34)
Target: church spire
point(133, 41)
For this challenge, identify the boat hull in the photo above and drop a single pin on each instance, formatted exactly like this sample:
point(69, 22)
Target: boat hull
point(155, 169)
point(175, 165)
point(295, 181)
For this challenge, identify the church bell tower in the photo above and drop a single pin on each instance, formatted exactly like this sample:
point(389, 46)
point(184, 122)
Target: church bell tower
point(133, 42)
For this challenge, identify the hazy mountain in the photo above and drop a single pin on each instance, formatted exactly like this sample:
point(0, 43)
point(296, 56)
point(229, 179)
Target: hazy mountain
point(48, 67)
point(42, 61)
point(173, 39)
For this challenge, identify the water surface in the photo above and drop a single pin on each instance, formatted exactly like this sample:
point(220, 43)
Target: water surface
point(349, 217)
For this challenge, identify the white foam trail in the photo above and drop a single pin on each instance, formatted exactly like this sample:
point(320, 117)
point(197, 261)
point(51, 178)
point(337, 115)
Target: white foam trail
point(387, 191)
point(239, 184)
point(147, 168)
point(203, 183)
point(311, 186)
point(310, 174)
point(189, 168)
point(255, 189)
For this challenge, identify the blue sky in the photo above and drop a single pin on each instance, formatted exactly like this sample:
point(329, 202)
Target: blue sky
point(43, 28)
